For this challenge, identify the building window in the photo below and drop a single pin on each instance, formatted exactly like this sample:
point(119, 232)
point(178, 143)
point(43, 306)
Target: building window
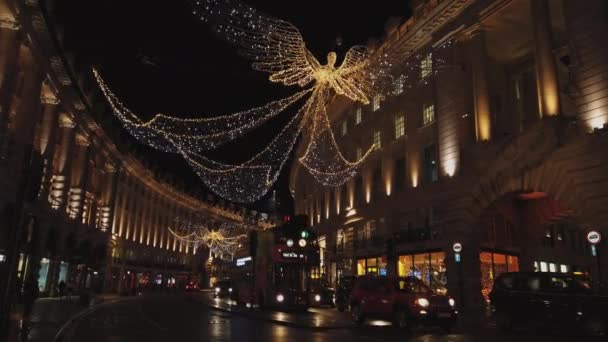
point(372, 266)
point(358, 115)
point(431, 169)
point(426, 65)
point(344, 128)
point(377, 139)
point(399, 126)
point(492, 265)
point(399, 82)
point(429, 267)
point(370, 230)
point(428, 113)
point(376, 102)
point(359, 153)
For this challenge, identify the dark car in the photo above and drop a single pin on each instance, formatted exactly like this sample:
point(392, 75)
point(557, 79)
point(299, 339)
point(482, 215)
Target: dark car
point(223, 289)
point(405, 301)
point(343, 290)
point(532, 299)
point(322, 296)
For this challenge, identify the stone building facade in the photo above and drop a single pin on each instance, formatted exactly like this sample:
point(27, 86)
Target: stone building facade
point(497, 139)
point(74, 207)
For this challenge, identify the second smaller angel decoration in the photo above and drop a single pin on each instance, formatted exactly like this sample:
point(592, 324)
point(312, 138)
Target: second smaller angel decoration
point(222, 241)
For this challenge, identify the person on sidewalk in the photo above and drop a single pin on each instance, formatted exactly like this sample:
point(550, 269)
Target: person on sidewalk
point(61, 289)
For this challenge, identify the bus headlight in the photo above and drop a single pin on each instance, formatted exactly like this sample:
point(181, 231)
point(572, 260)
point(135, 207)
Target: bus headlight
point(318, 298)
point(452, 302)
point(280, 298)
point(217, 290)
point(423, 302)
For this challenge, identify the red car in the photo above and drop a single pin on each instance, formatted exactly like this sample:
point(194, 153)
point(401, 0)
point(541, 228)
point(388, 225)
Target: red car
point(404, 301)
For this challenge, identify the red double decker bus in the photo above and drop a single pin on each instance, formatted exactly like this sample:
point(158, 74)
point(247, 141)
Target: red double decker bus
point(278, 274)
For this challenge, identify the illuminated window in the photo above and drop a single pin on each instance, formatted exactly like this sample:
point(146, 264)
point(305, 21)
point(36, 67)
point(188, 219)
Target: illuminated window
point(428, 267)
point(377, 139)
point(376, 102)
point(399, 126)
point(359, 153)
point(428, 113)
point(563, 268)
point(344, 128)
point(399, 81)
point(543, 266)
point(370, 229)
point(426, 65)
point(492, 265)
point(552, 267)
point(358, 115)
point(431, 169)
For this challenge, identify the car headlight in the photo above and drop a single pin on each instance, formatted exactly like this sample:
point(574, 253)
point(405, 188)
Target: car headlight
point(230, 289)
point(217, 289)
point(318, 298)
point(452, 302)
point(280, 298)
point(423, 302)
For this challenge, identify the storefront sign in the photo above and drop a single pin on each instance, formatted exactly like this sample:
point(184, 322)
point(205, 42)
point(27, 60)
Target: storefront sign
point(242, 261)
point(290, 255)
point(594, 237)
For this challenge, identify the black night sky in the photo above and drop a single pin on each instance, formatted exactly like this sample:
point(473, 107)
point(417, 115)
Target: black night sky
point(158, 57)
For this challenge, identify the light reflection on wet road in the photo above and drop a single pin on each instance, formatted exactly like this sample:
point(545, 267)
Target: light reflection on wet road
point(175, 319)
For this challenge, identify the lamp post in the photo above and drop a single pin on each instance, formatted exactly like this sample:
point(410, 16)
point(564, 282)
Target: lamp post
point(457, 248)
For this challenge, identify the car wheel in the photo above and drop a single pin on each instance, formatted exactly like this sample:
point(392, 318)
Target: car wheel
point(504, 321)
point(356, 314)
point(400, 319)
point(595, 327)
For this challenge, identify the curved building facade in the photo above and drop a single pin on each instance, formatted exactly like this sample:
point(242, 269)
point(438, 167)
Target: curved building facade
point(496, 140)
point(74, 207)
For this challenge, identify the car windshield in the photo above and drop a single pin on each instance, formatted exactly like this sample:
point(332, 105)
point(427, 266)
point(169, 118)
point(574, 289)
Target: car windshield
point(413, 285)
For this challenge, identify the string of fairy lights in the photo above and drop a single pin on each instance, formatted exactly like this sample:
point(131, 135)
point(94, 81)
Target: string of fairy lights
point(222, 241)
point(278, 48)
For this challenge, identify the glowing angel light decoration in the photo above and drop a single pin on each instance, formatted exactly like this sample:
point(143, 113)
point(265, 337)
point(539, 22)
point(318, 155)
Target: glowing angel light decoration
point(222, 241)
point(276, 47)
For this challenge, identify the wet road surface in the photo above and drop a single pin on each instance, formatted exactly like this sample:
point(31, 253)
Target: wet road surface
point(176, 318)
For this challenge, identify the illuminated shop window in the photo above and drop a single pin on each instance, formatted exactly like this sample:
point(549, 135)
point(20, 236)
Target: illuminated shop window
point(428, 267)
point(372, 266)
point(492, 265)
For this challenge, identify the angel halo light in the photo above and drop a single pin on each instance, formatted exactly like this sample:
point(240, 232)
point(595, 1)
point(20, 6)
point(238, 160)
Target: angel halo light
point(223, 241)
point(276, 47)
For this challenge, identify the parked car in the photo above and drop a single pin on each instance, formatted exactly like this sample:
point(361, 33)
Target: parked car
point(192, 286)
point(405, 301)
point(223, 289)
point(535, 299)
point(343, 290)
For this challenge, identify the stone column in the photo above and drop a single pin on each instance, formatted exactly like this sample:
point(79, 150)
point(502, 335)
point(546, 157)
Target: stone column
point(58, 189)
point(45, 143)
point(130, 210)
point(9, 50)
point(546, 69)
point(108, 194)
point(145, 220)
point(125, 189)
point(76, 194)
point(118, 203)
point(481, 96)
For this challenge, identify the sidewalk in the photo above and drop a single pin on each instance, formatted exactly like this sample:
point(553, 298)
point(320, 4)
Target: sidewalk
point(49, 315)
point(315, 318)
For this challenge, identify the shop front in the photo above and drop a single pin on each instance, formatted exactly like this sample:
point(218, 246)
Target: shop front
point(372, 266)
point(430, 267)
point(492, 265)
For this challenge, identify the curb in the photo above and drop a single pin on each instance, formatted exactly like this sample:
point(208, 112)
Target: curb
point(276, 321)
point(59, 337)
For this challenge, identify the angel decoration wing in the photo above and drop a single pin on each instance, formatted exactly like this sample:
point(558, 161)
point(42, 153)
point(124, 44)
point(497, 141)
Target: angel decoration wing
point(273, 45)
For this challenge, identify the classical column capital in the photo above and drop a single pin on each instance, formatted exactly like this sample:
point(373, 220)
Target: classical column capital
point(48, 95)
point(66, 121)
point(111, 167)
point(9, 23)
point(82, 139)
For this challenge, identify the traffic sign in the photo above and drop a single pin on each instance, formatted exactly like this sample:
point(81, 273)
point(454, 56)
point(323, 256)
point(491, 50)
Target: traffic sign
point(457, 247)
point(594, 237)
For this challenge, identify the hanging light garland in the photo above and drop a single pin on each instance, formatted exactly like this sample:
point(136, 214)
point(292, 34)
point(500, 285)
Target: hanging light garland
point(223, 241)
point(276, 47)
